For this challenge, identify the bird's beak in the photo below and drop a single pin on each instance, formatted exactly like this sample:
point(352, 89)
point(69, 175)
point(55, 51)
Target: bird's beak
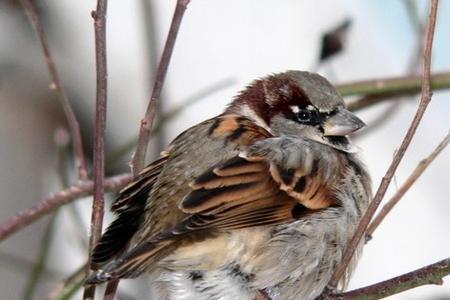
point(341, 123)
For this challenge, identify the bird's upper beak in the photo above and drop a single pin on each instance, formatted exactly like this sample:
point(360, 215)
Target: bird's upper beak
point(341, 123)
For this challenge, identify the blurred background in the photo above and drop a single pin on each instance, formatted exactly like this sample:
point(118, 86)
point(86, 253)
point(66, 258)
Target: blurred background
point(222, 46)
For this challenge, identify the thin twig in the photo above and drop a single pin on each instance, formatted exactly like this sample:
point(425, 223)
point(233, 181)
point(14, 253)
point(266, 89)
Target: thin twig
point(421, 167)
point(48, 205)
point(395, 85)
point(98, 204)
point(387, 88)
point(431, 274)
point(137, 162)
point(56, 85)
point(151, 42)
point(420, 28)
point(424, 101)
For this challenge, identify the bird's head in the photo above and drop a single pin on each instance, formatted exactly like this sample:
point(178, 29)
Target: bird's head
point(298, 103)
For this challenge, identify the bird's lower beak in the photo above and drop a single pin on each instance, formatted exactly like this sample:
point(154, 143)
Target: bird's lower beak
point(341, 123)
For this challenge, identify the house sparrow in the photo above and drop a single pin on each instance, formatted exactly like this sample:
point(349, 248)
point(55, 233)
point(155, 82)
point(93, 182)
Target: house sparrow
point(263, 197)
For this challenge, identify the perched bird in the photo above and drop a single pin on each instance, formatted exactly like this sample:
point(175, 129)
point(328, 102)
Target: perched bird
point(263, 197)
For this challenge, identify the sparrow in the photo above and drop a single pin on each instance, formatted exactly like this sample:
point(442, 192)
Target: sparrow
point(262, 198)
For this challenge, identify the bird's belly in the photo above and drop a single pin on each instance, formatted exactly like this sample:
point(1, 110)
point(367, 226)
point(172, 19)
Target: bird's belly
point(293, 260)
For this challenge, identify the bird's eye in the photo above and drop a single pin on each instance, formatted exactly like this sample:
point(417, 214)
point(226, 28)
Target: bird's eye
point(304, 116)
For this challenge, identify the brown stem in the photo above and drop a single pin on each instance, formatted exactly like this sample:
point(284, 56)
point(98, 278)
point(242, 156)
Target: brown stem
point(424, 101)
point(431, 274)
point(46, 206)
point(421, 167)
point(400, 85)
point(151, 41)
point(383, 89)
point(137, 162)
point(56, 85)
point(98, 204)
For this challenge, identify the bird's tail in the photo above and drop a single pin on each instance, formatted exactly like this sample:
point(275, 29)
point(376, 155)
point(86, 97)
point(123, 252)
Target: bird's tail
point(133, 263)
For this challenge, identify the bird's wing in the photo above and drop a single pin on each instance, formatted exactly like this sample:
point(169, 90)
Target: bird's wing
point(248, 191)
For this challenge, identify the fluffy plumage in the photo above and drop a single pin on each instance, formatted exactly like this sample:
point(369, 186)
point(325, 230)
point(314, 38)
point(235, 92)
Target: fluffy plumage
point(261, 198)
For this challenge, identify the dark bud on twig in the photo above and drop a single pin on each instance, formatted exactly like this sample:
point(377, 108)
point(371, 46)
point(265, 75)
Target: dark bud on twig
point(333, 41)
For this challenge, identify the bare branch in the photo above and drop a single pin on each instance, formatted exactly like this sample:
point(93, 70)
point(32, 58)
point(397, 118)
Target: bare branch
point(48, 205)
point(421, 167)
point(432, 274)
point(56, 85)
point(383, 89)
point(424, 101)
point(395, 85)
point(98, 204)
point(137, 162)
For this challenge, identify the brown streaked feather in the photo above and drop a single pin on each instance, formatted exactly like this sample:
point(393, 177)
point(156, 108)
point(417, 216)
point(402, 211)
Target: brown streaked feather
point(219, 181)
point(130, 208)
point(305, 187)
point(238, 129)
point(272, 210)
point(142, 184)
point(204, 199)
point(239, 165)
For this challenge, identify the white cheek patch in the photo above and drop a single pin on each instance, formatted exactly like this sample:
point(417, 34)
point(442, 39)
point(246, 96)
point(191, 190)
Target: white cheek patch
point(310, 107)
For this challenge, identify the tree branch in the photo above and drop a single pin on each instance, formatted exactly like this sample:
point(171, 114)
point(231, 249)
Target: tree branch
point(382, 89)
point(137, 162)
point(431, 274)
point(80, 161)
point(424, 101)
point(396, 85)
point(421, 167)
point(81, 189)
point(98, 204)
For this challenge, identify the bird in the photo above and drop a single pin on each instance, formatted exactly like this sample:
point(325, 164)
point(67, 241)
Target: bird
point(261, 199)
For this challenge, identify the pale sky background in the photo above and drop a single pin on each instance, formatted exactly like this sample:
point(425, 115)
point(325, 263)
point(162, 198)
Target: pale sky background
point(231, 40)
